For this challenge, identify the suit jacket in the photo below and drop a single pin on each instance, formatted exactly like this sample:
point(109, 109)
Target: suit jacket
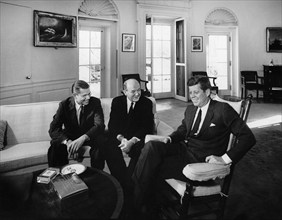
point(65, 124)
point(138, 125)
point(213, 138)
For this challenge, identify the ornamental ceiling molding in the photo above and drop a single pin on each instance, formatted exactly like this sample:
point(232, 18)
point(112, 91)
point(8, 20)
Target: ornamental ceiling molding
point(171, 3)
point(221, 17)
point(99, 9)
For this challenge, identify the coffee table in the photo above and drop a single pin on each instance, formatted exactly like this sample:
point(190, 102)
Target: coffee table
point(105, 199)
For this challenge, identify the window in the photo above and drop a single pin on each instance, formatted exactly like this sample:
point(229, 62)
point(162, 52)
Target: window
point(90, 59)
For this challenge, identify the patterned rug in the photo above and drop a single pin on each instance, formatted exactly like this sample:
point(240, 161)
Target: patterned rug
point(256, 187)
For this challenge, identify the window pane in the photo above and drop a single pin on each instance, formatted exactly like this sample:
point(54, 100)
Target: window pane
point(95, 56)
point(166, 83)
point(83, 56)
point(148, 48)
point(166, 66)
point(157, 84)
point(166, 49)
point(157, 66)
point(166, 32)
point(84, 73)
point(83, 39)
point(157, 48)
point(95, 39)
point(148, 32)
point(157, 32)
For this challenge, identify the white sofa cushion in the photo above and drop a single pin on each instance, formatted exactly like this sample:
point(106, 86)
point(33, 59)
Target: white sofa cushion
point(23, 155)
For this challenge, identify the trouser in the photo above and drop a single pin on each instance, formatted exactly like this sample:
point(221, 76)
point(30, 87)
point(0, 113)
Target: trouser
point(159, 160)
point(58, 155)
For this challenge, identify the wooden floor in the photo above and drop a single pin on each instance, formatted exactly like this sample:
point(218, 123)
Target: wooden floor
point(172, 111)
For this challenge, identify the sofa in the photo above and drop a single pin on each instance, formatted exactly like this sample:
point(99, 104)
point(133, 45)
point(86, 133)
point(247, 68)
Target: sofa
point(26, 139)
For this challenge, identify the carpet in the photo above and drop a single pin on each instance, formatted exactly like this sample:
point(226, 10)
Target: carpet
point(256, 187)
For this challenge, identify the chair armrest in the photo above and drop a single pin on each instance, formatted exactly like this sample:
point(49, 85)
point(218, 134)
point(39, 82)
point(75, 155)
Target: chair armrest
point(151, 137)
point(205, 171)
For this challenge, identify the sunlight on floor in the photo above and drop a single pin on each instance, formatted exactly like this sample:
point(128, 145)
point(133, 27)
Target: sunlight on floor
point(266, 122)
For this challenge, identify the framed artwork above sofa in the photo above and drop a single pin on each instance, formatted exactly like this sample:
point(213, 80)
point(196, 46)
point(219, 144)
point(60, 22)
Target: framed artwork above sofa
point(54, 30)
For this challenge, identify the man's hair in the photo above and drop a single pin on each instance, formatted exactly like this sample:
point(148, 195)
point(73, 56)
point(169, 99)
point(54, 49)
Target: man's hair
point(77, 85)
point(125, 83)
point(202, 80)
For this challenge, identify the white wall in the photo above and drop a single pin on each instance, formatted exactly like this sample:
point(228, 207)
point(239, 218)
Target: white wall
point(60, 66)
point(253, 18)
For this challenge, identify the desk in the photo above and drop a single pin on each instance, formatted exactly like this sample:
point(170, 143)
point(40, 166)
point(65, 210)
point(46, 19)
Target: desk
point(39, 201)
point(272, 81)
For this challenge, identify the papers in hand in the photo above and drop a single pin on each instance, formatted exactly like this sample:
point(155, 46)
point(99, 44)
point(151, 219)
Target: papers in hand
point(150, 137)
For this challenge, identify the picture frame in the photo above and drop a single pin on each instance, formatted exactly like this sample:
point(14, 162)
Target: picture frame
point(54, 30)
point(128, 42)
point(196, 43)
point(274, 39)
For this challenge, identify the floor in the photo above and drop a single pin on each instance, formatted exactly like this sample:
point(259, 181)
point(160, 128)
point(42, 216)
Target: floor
point(261, 113)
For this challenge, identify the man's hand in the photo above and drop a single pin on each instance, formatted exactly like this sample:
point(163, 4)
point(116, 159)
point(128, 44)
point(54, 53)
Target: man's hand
point(126, 145)
point(214, 159)
point(166, 140)
point(73, 146)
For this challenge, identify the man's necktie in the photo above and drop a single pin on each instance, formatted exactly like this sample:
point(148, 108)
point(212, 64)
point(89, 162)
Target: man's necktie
point(81, 118)
point(131, 108)
point(197, 123)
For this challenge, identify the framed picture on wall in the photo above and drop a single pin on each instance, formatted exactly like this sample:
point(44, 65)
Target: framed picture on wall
point(128, 42)
point(54, 30)
point(197, 43)
point(274, 39)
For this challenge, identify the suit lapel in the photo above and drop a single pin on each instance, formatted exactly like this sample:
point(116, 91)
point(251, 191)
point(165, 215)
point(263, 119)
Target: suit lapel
point(190, 118)
point(73, 111)
point(208, 117)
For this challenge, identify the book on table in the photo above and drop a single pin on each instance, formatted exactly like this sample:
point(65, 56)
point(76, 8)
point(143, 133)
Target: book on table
point(70, 186)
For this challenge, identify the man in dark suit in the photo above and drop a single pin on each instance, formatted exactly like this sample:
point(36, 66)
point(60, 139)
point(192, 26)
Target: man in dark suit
point(131, 118)
point(78, 122)
point(202, 136)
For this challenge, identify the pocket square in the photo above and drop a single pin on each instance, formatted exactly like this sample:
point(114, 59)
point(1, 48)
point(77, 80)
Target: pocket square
point(212, 125)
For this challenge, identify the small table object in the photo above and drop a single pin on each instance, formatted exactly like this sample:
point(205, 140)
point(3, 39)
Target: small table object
point(104, 199)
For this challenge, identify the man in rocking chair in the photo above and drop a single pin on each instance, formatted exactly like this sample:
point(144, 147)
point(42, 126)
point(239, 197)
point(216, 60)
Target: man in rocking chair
point(203, 136)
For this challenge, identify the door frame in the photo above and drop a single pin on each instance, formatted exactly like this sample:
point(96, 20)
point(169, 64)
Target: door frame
point(142, 11)
point(234, 75)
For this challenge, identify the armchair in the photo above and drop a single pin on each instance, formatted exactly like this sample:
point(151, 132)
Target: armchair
point(136, 76)
point(207, 189)
point(203, 73)
point(250, 81)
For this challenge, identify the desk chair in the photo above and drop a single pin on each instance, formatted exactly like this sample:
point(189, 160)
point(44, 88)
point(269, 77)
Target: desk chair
point(250, 81)
point(203, 73)
point(136, 76)
point(208, 184)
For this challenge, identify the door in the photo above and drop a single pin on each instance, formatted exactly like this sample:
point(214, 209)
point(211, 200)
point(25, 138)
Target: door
point(219, 60)
point(159, 56)
point(91, 58)
point(180, 61)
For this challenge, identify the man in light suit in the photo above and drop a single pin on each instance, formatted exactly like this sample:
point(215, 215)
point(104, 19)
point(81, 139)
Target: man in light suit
point(78, 122)
point(191, 143)
point(127, 129)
